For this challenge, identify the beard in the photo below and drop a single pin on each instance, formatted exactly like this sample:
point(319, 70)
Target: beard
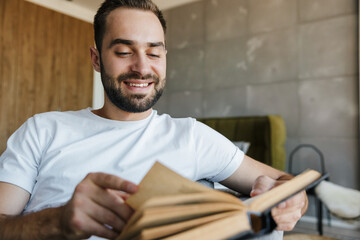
point(133, 103)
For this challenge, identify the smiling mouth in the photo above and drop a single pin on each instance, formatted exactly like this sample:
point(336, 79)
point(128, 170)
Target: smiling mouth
point(139, 85)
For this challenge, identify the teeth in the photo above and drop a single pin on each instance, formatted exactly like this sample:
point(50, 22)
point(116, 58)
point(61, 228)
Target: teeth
point(138, 84)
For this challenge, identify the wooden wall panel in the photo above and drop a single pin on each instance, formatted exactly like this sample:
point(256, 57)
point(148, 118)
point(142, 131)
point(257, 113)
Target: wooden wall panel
point(45, 57)
point(44, 63)
point(2, 15)
point(69, 80)
point(25, 104)
point(8, 58)
point(3, 134)
point(85, 85)
point(75, 78)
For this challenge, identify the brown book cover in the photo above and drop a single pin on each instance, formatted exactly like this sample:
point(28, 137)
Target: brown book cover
point(169, 206)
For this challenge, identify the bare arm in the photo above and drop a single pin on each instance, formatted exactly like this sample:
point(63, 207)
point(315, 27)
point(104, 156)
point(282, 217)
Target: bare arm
point(245, 176)
point(96, 208)
point(254, 178)
point(13, 196)
point(12, 201)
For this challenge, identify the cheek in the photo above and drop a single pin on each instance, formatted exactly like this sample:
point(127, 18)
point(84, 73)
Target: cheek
point(113, 66)
point(111, 69)
point(160, 69)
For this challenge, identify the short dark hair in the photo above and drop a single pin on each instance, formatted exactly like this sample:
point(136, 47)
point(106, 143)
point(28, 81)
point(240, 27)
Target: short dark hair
point(109, 5)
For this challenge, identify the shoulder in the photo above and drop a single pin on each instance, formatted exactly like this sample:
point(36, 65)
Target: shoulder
point(167, 120)
point(186, 123)
point(56, 116)
point(49, 122)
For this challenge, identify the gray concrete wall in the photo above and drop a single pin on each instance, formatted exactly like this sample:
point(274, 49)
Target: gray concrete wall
point(296, 58)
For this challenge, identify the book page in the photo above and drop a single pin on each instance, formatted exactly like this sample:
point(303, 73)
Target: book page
point(157, 216)
point(165, 202)
point(186, 198)
point(220, 229)
point(170, 229)
point(161, 181)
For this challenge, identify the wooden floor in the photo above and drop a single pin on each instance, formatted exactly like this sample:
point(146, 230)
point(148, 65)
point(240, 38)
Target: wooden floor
point(333, 232)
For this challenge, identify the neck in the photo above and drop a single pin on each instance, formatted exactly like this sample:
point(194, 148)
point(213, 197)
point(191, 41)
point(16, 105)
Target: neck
point(110, 111)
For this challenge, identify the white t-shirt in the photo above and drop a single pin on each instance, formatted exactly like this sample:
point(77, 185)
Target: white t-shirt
point(52, 152)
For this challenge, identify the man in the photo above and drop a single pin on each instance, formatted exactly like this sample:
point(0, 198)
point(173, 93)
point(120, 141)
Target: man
point(67, 175)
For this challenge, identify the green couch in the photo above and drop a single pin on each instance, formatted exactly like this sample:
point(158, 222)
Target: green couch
point(266, 135)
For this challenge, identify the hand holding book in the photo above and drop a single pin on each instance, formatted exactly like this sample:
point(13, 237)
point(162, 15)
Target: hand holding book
point(169, 206)
point(287, 213)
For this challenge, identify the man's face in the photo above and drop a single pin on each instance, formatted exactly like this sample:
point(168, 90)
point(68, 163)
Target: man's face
point(133, 59)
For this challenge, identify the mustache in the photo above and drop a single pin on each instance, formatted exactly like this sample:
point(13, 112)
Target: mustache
point(127, 76)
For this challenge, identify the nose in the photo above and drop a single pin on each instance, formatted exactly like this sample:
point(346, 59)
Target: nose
point(140, 65)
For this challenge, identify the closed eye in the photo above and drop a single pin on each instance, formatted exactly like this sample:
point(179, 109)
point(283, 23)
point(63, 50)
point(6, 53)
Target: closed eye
point(122, 54)
point(154, 55)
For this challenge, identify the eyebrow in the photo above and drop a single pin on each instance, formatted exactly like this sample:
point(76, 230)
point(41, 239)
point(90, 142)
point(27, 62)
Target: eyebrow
point(130, 43)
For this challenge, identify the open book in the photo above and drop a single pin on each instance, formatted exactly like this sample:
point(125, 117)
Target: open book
point(169, 206)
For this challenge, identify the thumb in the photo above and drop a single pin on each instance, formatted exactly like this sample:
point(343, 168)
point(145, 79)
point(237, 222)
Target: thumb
point(255, 192)
point(261, 185)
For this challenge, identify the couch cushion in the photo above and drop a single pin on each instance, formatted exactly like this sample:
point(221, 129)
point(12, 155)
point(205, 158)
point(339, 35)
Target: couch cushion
point(266, 135)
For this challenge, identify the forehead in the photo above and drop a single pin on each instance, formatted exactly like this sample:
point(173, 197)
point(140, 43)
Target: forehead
point(133, 24)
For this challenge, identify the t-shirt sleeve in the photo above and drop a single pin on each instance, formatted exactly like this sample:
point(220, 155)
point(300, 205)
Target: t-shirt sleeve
point(19, 162)
point(218, 158)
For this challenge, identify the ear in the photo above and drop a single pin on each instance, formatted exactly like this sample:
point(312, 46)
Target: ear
point(95, 58)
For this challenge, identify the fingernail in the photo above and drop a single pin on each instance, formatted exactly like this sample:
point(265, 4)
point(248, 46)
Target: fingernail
point(131, 187)
point(254, 193)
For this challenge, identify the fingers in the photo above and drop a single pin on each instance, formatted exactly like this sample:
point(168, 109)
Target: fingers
point(286, 218)
point(112, 182)
point(121, 194)
point(110, 191)
point(288, 213)
point(98, 206)
point(108, 222)
point(81, 225)
point(106, 198)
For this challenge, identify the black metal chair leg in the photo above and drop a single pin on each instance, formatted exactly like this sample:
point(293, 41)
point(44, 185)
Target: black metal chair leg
point(318, 203)
point(319, 216)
